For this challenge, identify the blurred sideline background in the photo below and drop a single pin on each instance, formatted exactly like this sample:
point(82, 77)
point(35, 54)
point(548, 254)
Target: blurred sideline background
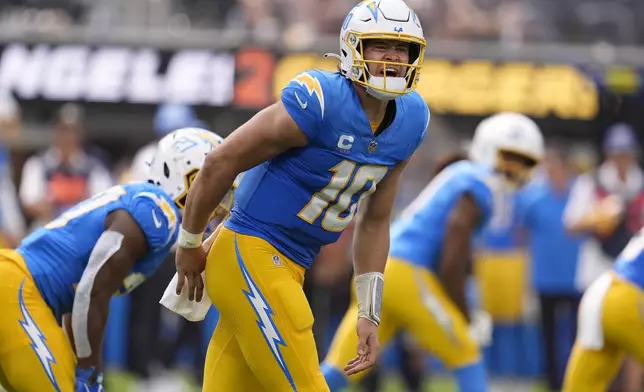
point(86, 87)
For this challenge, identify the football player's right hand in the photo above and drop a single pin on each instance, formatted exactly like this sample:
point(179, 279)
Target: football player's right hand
point(368, 347)
point(190, 263)
point(84, 383)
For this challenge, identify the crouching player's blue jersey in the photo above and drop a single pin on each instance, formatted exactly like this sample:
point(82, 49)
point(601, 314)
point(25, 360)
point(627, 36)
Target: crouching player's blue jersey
point(57, 254)
point(306, 197)
point(418, 235)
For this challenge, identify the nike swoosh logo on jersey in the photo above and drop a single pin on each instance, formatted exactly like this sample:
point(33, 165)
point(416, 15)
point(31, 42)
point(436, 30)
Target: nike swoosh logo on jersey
point(303, 105)
point(157, 222)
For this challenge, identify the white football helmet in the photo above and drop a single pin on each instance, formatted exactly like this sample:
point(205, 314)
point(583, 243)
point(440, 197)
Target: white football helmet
point(505, 135)
point(178, 158)
point(381, 20)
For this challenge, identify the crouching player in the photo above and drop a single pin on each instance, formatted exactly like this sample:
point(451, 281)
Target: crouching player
point(429, 258)
point(610, 323)
point(107, 244)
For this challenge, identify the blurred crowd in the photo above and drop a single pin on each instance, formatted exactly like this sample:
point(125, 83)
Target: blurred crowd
point(613, 21)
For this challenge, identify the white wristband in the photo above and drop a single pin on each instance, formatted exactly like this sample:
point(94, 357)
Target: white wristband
point(189, 240)
point(369, 287)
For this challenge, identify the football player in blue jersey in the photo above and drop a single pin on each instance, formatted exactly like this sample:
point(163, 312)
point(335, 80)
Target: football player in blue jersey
point(72, 266)
point(430, 255)
point(610, 322)
point(333, 139)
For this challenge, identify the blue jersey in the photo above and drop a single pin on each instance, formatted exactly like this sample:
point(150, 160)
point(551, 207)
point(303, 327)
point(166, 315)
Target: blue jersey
point(418, 235)
point(57, 254)
point(630, 263)
point(306, 197)
point(500, 233)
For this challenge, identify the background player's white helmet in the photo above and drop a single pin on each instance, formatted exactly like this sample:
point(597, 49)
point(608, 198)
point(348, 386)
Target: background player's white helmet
point(382, 20)
point(179, 157)
point(510, 143)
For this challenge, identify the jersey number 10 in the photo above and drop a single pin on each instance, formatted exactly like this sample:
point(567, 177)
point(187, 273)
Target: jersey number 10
point(342, 173)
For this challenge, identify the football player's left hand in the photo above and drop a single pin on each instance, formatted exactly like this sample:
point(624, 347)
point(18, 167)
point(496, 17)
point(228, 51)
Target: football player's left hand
point(368, 347)
point(190, 263)
point(88, 380)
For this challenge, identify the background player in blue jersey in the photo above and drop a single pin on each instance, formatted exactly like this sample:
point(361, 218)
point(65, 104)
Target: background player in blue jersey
point(610, 323)
point(430, 255)
point(107, 244)
point(332, 140)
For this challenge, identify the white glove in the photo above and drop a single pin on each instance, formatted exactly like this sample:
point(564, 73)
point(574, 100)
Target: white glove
point(481, 327)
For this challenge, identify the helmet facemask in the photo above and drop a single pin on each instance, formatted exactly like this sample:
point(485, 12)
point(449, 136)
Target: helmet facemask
point(188, 179)
point(386, 85)
point(222, 210)
point(516, 166)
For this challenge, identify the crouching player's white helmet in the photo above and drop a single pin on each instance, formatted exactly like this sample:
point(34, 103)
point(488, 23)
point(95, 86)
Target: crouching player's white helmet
point(179, 157)
point(510, 144)
point(382, 20)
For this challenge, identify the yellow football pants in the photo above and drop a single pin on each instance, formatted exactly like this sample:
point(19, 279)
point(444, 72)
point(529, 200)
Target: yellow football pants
point(35, 353)
point(502, 281)
point(611, 324)
point(414, 301)
point(264, 339)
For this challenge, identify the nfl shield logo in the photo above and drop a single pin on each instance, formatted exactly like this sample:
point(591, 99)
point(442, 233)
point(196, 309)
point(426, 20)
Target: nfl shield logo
point(372, 146)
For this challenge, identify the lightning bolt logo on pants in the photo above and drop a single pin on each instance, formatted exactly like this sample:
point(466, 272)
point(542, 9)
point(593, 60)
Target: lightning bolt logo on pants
point(265, 321)
point(38, 340)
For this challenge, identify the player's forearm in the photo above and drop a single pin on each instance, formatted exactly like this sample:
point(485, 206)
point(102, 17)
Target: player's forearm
point(370, 249)
point(209, 188)
point(96, 321)
point(455, 287)
point(456, 256)
point(370, 246)
point(453, 274)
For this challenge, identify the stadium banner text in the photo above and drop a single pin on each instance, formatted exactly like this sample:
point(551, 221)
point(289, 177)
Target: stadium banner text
point(253, 78)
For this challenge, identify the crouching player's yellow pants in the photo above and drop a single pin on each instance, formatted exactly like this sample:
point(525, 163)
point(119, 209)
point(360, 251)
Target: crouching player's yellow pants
point(413, 301)
point(501, 278)
point(610, 325)
point(35, 353)
point(264, 338)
